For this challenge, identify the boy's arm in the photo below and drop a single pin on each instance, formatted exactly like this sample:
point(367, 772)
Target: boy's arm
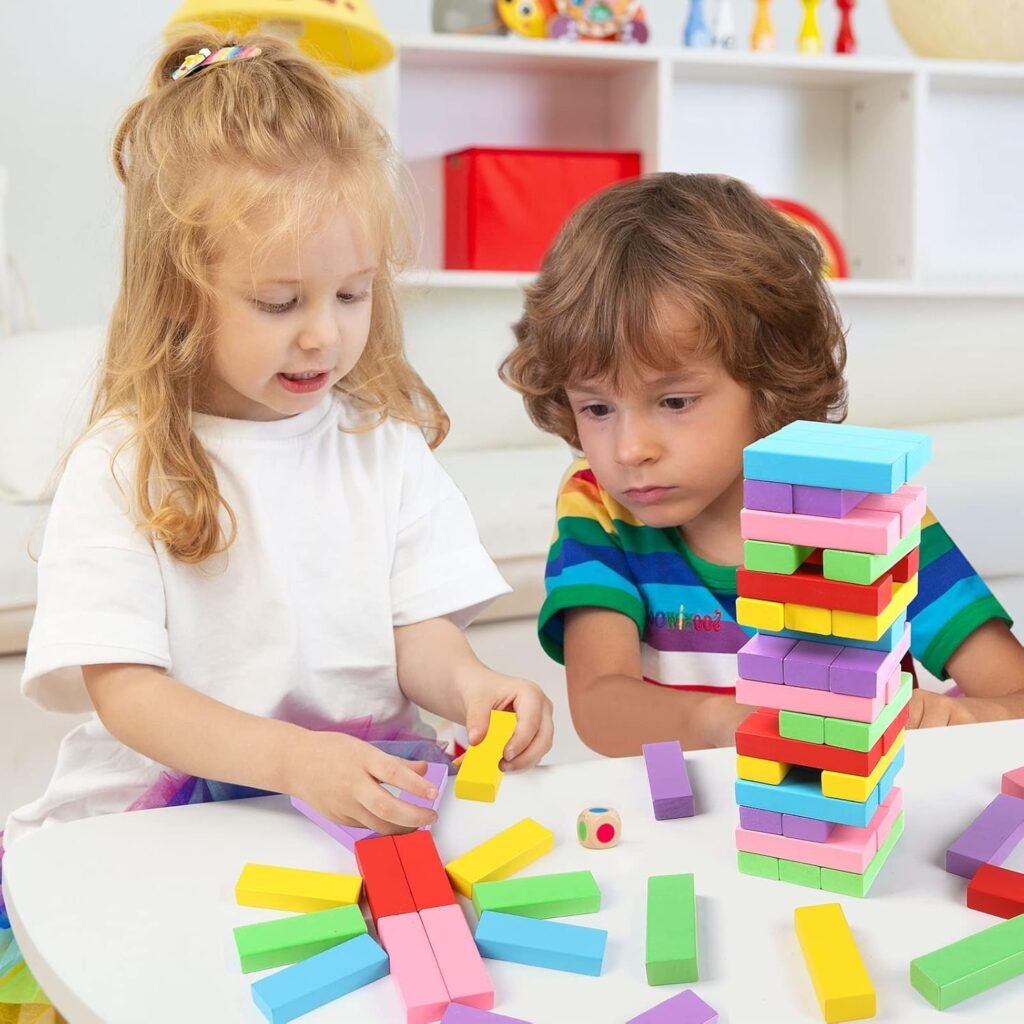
point(615, 712)
point(989, 667)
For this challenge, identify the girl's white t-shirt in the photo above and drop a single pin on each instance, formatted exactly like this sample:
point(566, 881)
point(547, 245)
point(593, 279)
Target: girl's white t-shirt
point(343, 533)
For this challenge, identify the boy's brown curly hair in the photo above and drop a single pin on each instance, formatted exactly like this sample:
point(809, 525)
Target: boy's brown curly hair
point(750, 277)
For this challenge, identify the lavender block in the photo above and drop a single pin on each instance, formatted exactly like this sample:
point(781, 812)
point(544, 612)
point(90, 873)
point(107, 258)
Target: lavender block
point(825, 501)
point(760, 658)
point(807, 664)
point(349, 835)
point(814, 831)
point(990, 838)
point(756, 820)
point(768, 496)
point(458, 1013)
point(668, 779)
point(684, 1007)
point(863, 673)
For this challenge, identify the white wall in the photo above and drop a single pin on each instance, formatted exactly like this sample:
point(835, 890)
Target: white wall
point(68, 70)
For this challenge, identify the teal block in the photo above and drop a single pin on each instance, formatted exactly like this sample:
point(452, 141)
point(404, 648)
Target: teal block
point(888, 641)
point(800, 793)
point(313, 983)
point(527, 940)
point(918, 445)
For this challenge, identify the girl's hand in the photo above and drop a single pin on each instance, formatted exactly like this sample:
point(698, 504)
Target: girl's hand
point(341, 777)
point(489, 691)
point(929, 709)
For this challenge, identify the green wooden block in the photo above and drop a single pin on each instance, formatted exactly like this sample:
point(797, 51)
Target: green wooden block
point(846, 883)
point(975, 964)
point(840, 732)
point(287, 940)
point(800, 874)
point(769, 556)
point(540, 896)
point(671, 930)
point(857, 567)
point(758, 865)
point(795, 725)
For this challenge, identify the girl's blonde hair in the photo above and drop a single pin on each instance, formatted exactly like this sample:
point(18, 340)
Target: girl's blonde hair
point(197, 156)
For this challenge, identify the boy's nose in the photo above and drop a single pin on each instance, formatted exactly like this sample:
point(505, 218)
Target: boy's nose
point(636, 447)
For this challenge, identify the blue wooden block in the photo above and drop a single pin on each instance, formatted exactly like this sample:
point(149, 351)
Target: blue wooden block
point(800, 793)
point(312, 983)
point(888, 780)
point(838, 456)
point(888, 641)
point(527, 940)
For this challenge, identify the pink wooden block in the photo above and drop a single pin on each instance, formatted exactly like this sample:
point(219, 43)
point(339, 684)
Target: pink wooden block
point(462, 967)
point(847, 849)
point(414, 968)
point(1013, 782)
point(811, 702)
point(875, 532)
point(909, 502)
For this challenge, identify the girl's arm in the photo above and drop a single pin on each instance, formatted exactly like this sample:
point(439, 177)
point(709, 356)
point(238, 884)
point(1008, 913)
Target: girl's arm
point(438, 670)
point(989, 667)
point(615, 712)
point(177, 726)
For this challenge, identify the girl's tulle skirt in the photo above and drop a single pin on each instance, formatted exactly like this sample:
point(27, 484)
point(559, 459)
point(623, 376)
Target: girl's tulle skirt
point(22, 1001)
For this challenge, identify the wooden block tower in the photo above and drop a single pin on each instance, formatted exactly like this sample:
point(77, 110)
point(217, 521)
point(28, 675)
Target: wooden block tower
point(831, 529)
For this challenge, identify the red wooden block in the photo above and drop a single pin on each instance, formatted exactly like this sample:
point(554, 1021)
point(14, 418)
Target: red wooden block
point(387, 891)
point(906, 568)
point(427, 878)
point(996, 890)
point(898, 724)
point(758, 736)
point(808, 586)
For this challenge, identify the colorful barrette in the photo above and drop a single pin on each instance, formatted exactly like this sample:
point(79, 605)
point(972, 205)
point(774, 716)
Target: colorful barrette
point(204, 58)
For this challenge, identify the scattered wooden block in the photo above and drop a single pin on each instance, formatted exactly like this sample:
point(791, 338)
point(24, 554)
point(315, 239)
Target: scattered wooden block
point(671, 930)
point(287, 940)
point(540, 896)
point(668, 779)
point(424, 872)
point(500, 856)
point(387, 891)
point(684, 1007)
point(525, 940)
point(989, 839)
point(295, 889)
point(414, 968)
point(462, 969)
point(479, 775)
point(460, 1014)
point(996, 890)
point(1013, 783)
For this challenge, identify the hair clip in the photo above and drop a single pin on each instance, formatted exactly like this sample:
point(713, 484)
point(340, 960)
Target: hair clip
point(204, 58)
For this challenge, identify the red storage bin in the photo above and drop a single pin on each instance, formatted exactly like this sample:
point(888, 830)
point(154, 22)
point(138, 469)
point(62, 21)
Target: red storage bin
point(503, 207)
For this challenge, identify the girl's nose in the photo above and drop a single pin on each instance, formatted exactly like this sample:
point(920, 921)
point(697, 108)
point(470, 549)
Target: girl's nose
point(319, 331)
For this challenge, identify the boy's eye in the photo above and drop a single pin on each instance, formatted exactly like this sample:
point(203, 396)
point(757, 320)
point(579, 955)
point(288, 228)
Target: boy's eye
point(679, 402)
point(596, 409)
point(275, 307)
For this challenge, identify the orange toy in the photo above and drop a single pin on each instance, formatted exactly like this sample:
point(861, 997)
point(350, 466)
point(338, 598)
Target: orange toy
point(527, 17)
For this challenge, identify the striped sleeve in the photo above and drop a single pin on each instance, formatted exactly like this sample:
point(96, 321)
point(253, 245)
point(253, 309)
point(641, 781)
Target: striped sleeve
point(952, 600)
point(587, 566)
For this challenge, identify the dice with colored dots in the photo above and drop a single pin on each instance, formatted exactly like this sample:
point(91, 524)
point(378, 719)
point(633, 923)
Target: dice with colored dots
point(598, 828)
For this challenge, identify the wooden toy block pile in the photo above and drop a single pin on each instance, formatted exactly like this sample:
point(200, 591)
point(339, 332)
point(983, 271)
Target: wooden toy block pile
point(831, 527)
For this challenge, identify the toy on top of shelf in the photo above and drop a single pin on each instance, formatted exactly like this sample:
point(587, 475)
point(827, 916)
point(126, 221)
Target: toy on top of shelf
point(723, 26)
point(467, 18)
point(599, 828)
point(527, 18)
point(610, 21)
point(835, 255)
point(846, 41)
point(695, 34)
point(809, 40)
point(762, 36)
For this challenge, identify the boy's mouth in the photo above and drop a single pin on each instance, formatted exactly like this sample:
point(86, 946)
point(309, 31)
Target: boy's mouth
point(648, 495)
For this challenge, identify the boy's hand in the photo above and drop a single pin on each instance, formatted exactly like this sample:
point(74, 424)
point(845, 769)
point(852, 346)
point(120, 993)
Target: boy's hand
point(340, 777)
point(928, 710)
point(489, 691)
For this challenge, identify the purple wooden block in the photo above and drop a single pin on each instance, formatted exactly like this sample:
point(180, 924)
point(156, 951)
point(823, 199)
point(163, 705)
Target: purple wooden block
point(684, 1007)
point(349, 835)
point(457, 1013)
point(990, 838)
point(825, 501)
point(860, 672)
point(807, 664)
point(768, 496)
point(814, 831)
point(756, 820)
point(760, 658)
point(668, 779)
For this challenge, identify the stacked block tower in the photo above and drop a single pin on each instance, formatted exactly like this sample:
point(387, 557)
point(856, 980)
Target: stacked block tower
point(832, 528)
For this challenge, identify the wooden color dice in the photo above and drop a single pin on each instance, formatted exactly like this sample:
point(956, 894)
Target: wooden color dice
point(598, 828)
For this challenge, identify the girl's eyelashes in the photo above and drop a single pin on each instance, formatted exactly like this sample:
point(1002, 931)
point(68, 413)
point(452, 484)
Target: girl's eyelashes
point(352, 297)
point(346, 298)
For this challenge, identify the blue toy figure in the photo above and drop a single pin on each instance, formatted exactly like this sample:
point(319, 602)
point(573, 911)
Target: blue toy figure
point(696, 35)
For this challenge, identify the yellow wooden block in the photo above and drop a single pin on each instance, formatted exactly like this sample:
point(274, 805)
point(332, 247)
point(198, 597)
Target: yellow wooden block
point(834, 963)
point(756, 769)
point(479, 775)
point(808, 618)
point(858, 787)
point(857, 626)
point(500, 856)
point(758, 614)
point(263, 885)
